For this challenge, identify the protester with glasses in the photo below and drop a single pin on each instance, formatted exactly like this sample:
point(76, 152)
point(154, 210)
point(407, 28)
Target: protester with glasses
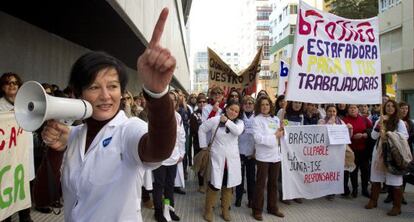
point(10, 83)
point(234, 95)
point(246, 149)
point(216, 104)
point(195, 122)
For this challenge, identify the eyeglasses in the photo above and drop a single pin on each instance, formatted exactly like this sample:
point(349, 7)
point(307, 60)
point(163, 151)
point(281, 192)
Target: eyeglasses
point(216, 93)
point(234, 96)
point(12, 83)
point(202, 101)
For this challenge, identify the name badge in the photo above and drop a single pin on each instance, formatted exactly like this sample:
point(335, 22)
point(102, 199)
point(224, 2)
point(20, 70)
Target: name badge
point(106, 141)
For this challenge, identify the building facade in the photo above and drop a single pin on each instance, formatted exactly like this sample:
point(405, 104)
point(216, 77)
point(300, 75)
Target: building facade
point(282, 31)
point(200, 67)
point(42, 39)
point(396, 24)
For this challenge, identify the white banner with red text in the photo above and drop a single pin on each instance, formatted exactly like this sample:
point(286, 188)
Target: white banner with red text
point(311, 168)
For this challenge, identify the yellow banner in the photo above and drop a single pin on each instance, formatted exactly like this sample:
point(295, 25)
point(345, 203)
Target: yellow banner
point(220, 74)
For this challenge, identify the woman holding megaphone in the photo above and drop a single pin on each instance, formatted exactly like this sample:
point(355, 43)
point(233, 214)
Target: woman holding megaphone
point(105, 154)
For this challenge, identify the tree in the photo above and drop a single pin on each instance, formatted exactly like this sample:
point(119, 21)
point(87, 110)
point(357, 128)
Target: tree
point(353, 9)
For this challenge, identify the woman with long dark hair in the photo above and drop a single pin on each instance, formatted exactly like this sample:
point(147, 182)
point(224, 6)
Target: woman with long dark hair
point(389, 122)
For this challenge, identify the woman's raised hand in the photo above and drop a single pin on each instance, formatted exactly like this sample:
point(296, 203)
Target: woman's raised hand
point(156, 64)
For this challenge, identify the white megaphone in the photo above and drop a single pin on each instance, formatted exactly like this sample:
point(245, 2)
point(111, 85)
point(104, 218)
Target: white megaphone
point(33, 106)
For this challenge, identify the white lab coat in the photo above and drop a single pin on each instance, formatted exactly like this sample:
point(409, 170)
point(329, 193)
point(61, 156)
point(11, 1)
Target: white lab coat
point(206, 112)
point(224, 149)
point(101, 185)
point(180, 145)
point(266, 144)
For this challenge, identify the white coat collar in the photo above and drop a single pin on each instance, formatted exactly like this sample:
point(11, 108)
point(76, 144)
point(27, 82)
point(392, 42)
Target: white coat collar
point(105, 132)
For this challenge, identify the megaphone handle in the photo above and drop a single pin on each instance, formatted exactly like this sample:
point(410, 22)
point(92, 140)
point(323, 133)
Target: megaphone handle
point(67, 122)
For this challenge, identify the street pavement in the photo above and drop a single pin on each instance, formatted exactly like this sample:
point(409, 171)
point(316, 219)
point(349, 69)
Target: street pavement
point(190, 207)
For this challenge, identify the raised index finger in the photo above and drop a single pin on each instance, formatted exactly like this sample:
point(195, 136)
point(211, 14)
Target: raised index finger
point(159, 28)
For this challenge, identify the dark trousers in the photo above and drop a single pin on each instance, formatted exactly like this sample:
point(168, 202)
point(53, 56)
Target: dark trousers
point(270, 172)
point(189, 151)
point(187, 159)
point(248, 166)
point(47, 189)
point(164, 177)
point(362, 164)
point(145, 195)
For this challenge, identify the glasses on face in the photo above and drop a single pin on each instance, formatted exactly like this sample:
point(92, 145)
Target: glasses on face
point(11, 83)
point(216, 93)
point(202, 101)
point(234, 96)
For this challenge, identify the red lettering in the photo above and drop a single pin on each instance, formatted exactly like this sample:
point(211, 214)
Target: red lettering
point(12, 137)
point(2, 141)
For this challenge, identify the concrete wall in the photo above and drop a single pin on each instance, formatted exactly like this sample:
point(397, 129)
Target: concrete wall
point(141, 16)
point(398, 17)
point(35, 54)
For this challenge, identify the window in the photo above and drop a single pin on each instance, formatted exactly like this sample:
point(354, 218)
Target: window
point(396, 39)
point(285, 11)
point(391, 41)
point(293, 9)
point(292, 29)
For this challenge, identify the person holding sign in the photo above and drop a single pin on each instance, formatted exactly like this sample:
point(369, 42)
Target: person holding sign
point(267, 131)
point(389, 122)
point(10, 83)
point(331, 118)
point(106, 155)
point(224, 158)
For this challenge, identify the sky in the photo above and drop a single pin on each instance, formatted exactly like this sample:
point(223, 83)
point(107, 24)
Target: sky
point(214, 23)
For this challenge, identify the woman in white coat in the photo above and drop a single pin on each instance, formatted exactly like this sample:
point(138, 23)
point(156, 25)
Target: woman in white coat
point(165, 175)
point(266, 131)
point(105, 154)
point(391, 122)
point(224, 157)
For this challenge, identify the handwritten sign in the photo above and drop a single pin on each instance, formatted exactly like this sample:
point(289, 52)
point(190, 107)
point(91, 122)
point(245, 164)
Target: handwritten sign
point(220, 74)
point(15, 148)
point(338, 134)
point(334, 59)
point(311, 168)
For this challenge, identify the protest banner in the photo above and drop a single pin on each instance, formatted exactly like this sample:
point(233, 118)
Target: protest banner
point(283, 78)
point(16, 146)
point(311, 167)
point(334, 59)
point(221, 74)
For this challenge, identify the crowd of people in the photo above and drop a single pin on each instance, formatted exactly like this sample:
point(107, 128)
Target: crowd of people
point(242, 135)
point(102, 168)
